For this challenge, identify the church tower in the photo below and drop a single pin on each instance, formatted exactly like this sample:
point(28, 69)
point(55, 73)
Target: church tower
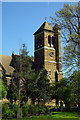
point(47, 51)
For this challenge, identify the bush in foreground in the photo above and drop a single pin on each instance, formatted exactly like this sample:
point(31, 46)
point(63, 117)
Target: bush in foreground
point(7, 112)
point(10, 110)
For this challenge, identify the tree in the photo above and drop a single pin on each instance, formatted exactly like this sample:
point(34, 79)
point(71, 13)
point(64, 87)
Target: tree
point(68, 20)
point(11, 92)
point(4, 91)
point(43, 86)
point(4, 79)
point(67, 90)
point(22, 76)
point(74, 78)
point(62, 90)
point(3, 85)
point(40, 87)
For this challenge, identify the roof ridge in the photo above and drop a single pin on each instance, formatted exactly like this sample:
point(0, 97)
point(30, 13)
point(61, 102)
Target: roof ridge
point(6, 55)
point(44, 26)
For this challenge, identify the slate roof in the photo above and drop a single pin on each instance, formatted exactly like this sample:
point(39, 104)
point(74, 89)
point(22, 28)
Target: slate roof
point(5, 64)
point(44, 26)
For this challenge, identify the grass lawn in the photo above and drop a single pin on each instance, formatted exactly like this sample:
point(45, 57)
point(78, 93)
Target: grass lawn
point(55, 116)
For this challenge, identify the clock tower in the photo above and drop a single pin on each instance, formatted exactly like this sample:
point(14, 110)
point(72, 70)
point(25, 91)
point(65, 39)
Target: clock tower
point(47, 52)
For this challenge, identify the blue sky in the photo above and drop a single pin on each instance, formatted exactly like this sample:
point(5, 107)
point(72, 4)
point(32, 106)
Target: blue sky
point(21, 20)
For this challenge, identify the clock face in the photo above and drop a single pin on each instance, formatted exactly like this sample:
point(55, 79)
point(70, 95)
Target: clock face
point(51, 54)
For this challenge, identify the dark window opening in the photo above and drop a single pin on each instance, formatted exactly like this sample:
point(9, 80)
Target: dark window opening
point(49, 72)
point(39, 42)
point(56, 77)
point(49, 41)
point(53, 41)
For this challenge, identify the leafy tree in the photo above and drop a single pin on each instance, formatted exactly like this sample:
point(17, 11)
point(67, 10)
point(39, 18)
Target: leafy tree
point(4, 91)
point(67, 90)
point(25, 82)
point(22, 76)
point(4, 79)
point(62, 90)
point(43, 86)
point(68, 20)
point(40, 87)
point(11, 93)
point(75, 78)
point(3, 85)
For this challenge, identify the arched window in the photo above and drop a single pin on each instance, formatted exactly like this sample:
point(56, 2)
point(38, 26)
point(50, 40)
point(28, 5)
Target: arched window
point(49, 41)
point(53, 41)
point(56, 76)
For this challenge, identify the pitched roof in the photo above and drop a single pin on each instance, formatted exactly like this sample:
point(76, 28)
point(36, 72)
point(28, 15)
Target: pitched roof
point(56, 26)
point(5, 63)
point(44, 26)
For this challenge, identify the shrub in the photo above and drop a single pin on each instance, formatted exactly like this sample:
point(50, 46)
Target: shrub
point(32, 110)
point(36, 109)
point(9, 114)
point(14, 108)
point(5, 107)
point(56, 108)
point(44, 110)
point(47, 109)
point(6, 112)
point(25, 109)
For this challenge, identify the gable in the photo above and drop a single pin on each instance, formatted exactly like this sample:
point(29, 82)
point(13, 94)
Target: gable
point(5, 64)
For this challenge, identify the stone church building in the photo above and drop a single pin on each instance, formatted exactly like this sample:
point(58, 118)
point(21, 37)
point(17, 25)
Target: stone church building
point(47, 53)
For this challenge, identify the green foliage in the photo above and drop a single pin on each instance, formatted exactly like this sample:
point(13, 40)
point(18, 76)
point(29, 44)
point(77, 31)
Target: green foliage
point(25, 109)
point(55, 116)
point(14, 108)
point(75, 80)
point(68, 19)
point(43, 86)
point(37, 109)
point(44, 110)
point(40, 87)
point(68, 90)
point(63, 91)
point(6, 112)
point(4, 107)
point(22, 76)
point(56, 107)
point(34, 109)
point(4, 79)
point(25, 82)
point(3, 85)
point(11, 92)
point(4, 91)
